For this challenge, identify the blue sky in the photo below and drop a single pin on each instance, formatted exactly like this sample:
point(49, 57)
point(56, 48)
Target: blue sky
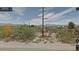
point(32, 15)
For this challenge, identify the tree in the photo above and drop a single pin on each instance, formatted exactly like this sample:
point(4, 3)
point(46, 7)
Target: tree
point(32, 25)
point(71, 25)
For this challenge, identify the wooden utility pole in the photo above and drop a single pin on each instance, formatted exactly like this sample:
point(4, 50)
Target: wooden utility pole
point(42, 21)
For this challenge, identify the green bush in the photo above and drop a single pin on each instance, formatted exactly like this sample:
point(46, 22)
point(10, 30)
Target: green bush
point(24, 33)
point(1, 34)
point(66, 36)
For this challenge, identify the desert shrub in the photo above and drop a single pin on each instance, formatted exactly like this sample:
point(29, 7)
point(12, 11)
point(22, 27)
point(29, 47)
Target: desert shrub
point(24, 33)
point(66, 36)
point(1, 34)
point(7, 29)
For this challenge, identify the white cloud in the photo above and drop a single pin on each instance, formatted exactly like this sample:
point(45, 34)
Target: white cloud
point(51, 16)
point(19, 10)
point(40, 15)
point(64, 21)
point(36, 21)
point(48, 15)
point(5, 16)
point(62, 13)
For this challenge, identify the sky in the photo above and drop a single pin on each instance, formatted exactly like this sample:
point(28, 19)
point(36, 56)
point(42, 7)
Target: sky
point(32, 15)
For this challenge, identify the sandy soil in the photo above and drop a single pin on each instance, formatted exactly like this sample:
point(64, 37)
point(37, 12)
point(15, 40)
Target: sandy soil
point(19, 46)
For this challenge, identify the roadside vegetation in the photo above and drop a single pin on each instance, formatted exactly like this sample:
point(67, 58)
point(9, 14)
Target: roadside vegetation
point(25, 33)
point(66, 34)
point(20, 33)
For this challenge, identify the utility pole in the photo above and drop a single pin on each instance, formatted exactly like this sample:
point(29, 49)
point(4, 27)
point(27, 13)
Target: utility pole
point(42, 21)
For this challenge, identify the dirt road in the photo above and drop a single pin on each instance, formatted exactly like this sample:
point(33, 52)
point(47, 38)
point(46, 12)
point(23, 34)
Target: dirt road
point(19, 46)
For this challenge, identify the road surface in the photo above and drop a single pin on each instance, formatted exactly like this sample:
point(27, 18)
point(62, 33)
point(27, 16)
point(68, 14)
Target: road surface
point(19, 46)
